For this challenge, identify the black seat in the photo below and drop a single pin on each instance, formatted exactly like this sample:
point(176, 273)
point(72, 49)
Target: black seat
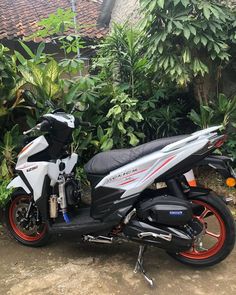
point(105, 162)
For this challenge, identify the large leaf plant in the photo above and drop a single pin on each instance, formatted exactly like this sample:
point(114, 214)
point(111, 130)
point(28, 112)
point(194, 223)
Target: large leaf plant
point(188, 40)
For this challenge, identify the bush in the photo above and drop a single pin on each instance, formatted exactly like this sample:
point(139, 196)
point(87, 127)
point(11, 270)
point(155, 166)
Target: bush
point(188, 41)
point(4, 192)
point(221, 111)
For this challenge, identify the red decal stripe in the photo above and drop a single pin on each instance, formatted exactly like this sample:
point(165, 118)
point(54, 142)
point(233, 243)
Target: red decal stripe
point(129, 181)
point(162, 165)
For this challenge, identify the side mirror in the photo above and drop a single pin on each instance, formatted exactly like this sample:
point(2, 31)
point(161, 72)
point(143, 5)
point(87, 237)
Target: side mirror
point(81, 106)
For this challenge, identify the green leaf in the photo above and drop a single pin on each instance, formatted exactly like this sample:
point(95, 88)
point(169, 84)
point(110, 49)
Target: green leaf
point(128, 115)
point(51, 88)
point(186, 56)
point(21, 58)
point(100, 132)
point(214, 11)
point(204, 40)
point(186, 33)
point(196, 39)
point(192, 30)
point(27, 76)
point(72, 93)
point(37, 73)
point(217, 48)
point(133, 139)
point(107, 145)
point(185, 3)
point(40, 50)
point(27, 49)
point(121, 128)
point(178, 25)
point(51, 70)
point(206, 11)
point(161, 3)
point(152, 5)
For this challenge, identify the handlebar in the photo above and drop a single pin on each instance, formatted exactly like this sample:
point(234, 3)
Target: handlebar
point(79, 122)
point(37, 127)
point(43, 126)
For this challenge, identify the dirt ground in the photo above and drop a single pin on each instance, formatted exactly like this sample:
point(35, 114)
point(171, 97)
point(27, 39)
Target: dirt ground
point(68, 267)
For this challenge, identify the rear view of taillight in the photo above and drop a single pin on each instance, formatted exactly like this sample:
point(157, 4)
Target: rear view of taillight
point(220, 141)
point(230, 182)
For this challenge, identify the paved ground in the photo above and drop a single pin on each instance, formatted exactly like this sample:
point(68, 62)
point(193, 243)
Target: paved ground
point(67, 267)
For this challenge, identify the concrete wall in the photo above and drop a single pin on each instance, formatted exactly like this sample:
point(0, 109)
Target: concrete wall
point(128, 10)
point(125, 10)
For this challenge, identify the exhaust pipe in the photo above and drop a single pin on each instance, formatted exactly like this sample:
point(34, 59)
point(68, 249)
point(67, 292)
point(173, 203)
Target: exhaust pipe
point(99, 239)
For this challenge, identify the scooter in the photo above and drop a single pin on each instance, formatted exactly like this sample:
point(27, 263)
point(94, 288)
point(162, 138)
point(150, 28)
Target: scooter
point(192, 224)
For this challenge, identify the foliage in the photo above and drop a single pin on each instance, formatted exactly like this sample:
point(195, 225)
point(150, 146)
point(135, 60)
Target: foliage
point(132, 89)
point(7, 73)
point(10, 84)
point(204, 118)
point(4, 192)
point(220, 112)
point(43, 79)
point(61, 21)
point(8, 147)
point(230, 146)
point(167, 120)
point(121, 60)
point(55, 27)
point(184, 37)
point(12, 105)
point(225, 110)
point(121, 116)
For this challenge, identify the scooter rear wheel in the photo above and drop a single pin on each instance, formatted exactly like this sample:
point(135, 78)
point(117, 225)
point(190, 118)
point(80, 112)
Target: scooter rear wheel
point(218, 237)
point(28, 231)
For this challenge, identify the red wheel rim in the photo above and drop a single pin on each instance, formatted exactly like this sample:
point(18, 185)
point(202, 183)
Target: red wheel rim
point(15, 227)
point(220, 237)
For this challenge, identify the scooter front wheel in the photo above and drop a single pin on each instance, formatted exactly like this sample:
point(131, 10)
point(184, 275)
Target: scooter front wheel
point(24, 223)
point(217, 238)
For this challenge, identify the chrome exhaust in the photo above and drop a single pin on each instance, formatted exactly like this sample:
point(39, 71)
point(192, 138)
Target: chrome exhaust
point(99, 239)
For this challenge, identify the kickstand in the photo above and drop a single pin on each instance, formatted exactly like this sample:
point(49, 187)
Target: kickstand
point(139, 265)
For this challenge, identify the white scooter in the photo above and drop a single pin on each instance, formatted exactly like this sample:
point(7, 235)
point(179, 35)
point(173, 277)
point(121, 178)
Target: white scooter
point(191, 224)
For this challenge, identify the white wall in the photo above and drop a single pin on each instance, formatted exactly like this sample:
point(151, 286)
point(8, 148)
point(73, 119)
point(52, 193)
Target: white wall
point(125, 10)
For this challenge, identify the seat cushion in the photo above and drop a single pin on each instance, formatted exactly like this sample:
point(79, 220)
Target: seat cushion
point(105, 162)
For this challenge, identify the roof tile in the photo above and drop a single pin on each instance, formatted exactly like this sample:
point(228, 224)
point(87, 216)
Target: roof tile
point(19, 18)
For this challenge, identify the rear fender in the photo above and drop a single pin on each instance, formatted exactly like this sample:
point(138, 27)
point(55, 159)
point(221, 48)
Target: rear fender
point(221, 164)
point(198, 192)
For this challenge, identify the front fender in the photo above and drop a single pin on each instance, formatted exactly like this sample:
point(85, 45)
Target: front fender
point(17, 182)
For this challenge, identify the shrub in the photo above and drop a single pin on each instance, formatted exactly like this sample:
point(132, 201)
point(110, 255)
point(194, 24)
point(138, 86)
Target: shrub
point(221, 111)
point(188, 41)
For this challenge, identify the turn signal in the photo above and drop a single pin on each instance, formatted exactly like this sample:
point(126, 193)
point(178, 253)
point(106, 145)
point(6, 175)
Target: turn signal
point(231, 182)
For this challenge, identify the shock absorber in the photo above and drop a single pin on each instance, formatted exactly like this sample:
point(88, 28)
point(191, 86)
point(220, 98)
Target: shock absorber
point(62, 199)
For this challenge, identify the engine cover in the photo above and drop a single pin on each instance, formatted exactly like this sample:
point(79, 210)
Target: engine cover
point(166, 210)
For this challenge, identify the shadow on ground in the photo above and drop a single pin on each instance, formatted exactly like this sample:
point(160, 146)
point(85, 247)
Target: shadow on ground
point(68, 267)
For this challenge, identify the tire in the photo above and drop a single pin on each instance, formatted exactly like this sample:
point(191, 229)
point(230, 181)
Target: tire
point(225, 237)
point(38, 238)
